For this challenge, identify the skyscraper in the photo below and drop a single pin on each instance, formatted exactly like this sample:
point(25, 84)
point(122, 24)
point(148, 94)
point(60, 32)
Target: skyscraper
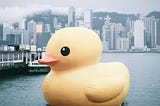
point(55, 23)
point(39, 30)
point(6, 26)
point(106, 29)
point(158, 31)
point(108, 32)
point(14, 39)
point(151, 31)
point(152, 22)
point(147, 33)
point(21, 24)
point(138, 34)
point(88, 18)
point(119, 30)
point(129, 25)
point(112, 32)
point(31, 28)
point(106, 36)
point(71, 17)
point(121, 43)
point(1, 31)
point(47, 28)
point(15, 36)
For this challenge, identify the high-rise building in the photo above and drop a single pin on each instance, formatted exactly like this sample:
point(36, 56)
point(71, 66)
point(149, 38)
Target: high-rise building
point(151, 31)
point(42, 37)
point(131, 39)
point(108, 31)
point(129, 25)
point(112, 39)
point(152, 22)
point(39, 30)
point(55, 22)
point(47, 28)
point(31, 28)
point(1, 31)
point(121, 43)
point(21, 24)
point(158, 31)
point(88, 18)
point(15, 36)
point(6, 25)
point(118, 29)
point(138, 34)
point(71, 17)
point(14, 39)
point(147, 33)
point(106, 37)
point(129, 31)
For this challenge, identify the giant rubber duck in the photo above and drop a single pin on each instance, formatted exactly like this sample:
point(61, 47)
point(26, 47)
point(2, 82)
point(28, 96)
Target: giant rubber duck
point(77, 78)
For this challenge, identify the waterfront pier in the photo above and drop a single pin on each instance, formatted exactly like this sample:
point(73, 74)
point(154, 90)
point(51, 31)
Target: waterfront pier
point(21, 61)
point(9, 58)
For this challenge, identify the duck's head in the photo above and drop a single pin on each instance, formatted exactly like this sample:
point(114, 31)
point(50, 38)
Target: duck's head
point(71, 48)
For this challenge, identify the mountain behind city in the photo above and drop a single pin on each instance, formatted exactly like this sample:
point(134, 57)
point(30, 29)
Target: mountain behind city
point(154, 13)
point(98, 18)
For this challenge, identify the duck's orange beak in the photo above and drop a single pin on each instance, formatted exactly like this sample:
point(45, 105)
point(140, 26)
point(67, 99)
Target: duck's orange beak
point(48, 60)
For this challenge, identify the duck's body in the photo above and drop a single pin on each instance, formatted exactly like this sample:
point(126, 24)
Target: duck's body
point(102, 84)
point(76, 77)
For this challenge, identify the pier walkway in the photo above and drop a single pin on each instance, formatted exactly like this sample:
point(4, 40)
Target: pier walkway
point(9, 58)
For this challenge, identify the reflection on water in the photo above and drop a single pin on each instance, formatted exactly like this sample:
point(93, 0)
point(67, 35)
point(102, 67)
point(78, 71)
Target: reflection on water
point(25, 90)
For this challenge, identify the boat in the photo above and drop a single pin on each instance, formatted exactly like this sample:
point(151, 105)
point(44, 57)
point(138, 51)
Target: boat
point(35, 67)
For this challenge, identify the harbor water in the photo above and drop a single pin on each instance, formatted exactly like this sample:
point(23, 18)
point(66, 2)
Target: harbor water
point(144, 68)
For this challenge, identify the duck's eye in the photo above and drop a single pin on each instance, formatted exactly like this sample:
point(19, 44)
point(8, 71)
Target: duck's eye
point(65, 51)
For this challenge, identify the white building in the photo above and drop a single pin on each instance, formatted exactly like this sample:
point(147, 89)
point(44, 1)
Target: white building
point(71, 17)
point(88, 18)
point(138, 34)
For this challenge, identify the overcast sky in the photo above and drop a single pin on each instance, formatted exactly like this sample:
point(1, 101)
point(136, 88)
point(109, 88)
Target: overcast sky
point(11, 10)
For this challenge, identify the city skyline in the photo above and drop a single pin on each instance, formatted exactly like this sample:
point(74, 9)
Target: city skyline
point(133, 33)
point(11, 11)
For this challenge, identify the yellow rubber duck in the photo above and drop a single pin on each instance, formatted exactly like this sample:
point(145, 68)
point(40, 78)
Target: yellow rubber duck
point(76, 77)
